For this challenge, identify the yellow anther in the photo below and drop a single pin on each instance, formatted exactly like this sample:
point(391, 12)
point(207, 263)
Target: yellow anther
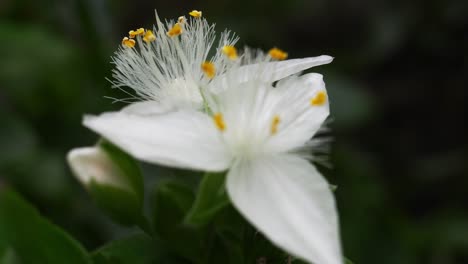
point(175, 30)
point(219, 121)
point(196, 13)
point(277, 54)
point(274, 124)
point(149, 36)
point(129, 43)
point(319, 99)
point(230, 52)
point(138, 32)
point(209, 69)
point(181, 19)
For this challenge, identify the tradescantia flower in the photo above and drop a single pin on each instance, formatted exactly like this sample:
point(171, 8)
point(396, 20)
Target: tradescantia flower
point(170, 64)
point(164, 64)
point(255, 131)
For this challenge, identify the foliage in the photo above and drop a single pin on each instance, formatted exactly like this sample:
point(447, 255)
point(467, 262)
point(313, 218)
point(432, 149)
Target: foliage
point(398, 89)
point(32, 239)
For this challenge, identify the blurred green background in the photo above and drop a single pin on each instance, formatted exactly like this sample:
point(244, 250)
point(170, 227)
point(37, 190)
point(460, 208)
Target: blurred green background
point(398, 87)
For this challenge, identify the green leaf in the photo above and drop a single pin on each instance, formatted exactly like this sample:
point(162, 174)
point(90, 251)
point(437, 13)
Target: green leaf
point(128, 165)
point(171, 202)
point(8, 256)
point(32, 238)
point(347, 261)
point(136, 249)
point(229, 227)
point(220, 251)
point(120, 205)
point(211, 198)
point(260, 247)
point(121, 197)
point(7, 253)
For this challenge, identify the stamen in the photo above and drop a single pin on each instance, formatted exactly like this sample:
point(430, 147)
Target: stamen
point(175, 30)
point(181, 20)
point(129, 43)
point(196, 13)
point(219, 121)
point(274, 124)
point(277, 54)
point(138, 32)
point(149, 36)
point(319, 99)
point(230, 52)
point(209, 69)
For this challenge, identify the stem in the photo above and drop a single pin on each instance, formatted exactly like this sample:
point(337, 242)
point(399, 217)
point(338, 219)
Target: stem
point(205, 103)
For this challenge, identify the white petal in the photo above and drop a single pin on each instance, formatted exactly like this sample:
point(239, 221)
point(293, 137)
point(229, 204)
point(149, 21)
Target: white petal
point(299, 119)
point(281, 69)
point(288, 200)
point(92, 163)
point(267, 71)
point(185, 139)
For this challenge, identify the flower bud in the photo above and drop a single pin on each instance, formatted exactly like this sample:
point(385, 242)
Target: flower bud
point(112, 178)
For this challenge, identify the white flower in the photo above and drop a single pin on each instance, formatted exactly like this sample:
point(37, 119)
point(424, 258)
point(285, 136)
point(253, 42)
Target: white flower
point(164, 64)
point(254, 131)
point(93, 164)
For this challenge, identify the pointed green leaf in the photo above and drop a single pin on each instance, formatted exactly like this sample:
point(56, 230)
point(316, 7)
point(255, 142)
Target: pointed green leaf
point(32, 238)
point(211, 198)
point(171, 201)
point(120, 205)
point(128, 165)
point(229, 227)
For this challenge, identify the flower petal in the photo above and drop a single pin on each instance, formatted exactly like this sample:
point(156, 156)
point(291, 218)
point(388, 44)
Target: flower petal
point(184, 139)
point(281, 69)
point(267, 71)
point(288, 200)
point(300, 119)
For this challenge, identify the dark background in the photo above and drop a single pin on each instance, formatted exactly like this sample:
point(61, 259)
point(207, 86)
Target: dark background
point(398, 87)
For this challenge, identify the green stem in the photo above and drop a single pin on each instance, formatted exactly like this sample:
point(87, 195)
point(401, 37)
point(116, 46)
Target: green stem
point(205, 103)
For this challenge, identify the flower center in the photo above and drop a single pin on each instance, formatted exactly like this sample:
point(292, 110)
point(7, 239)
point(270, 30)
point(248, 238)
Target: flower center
point(183, 91)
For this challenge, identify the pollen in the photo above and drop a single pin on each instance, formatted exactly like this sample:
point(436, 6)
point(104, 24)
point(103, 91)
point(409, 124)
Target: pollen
point(181, 20)
point(230, 52)
point(219, 121)
point(138, 32)
point(209, 69)
point(196, 13)
point(149, 36)
point(175, 30)
point(274, 124)
point(277, 54)
point(319, 99)
point(129, 43)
